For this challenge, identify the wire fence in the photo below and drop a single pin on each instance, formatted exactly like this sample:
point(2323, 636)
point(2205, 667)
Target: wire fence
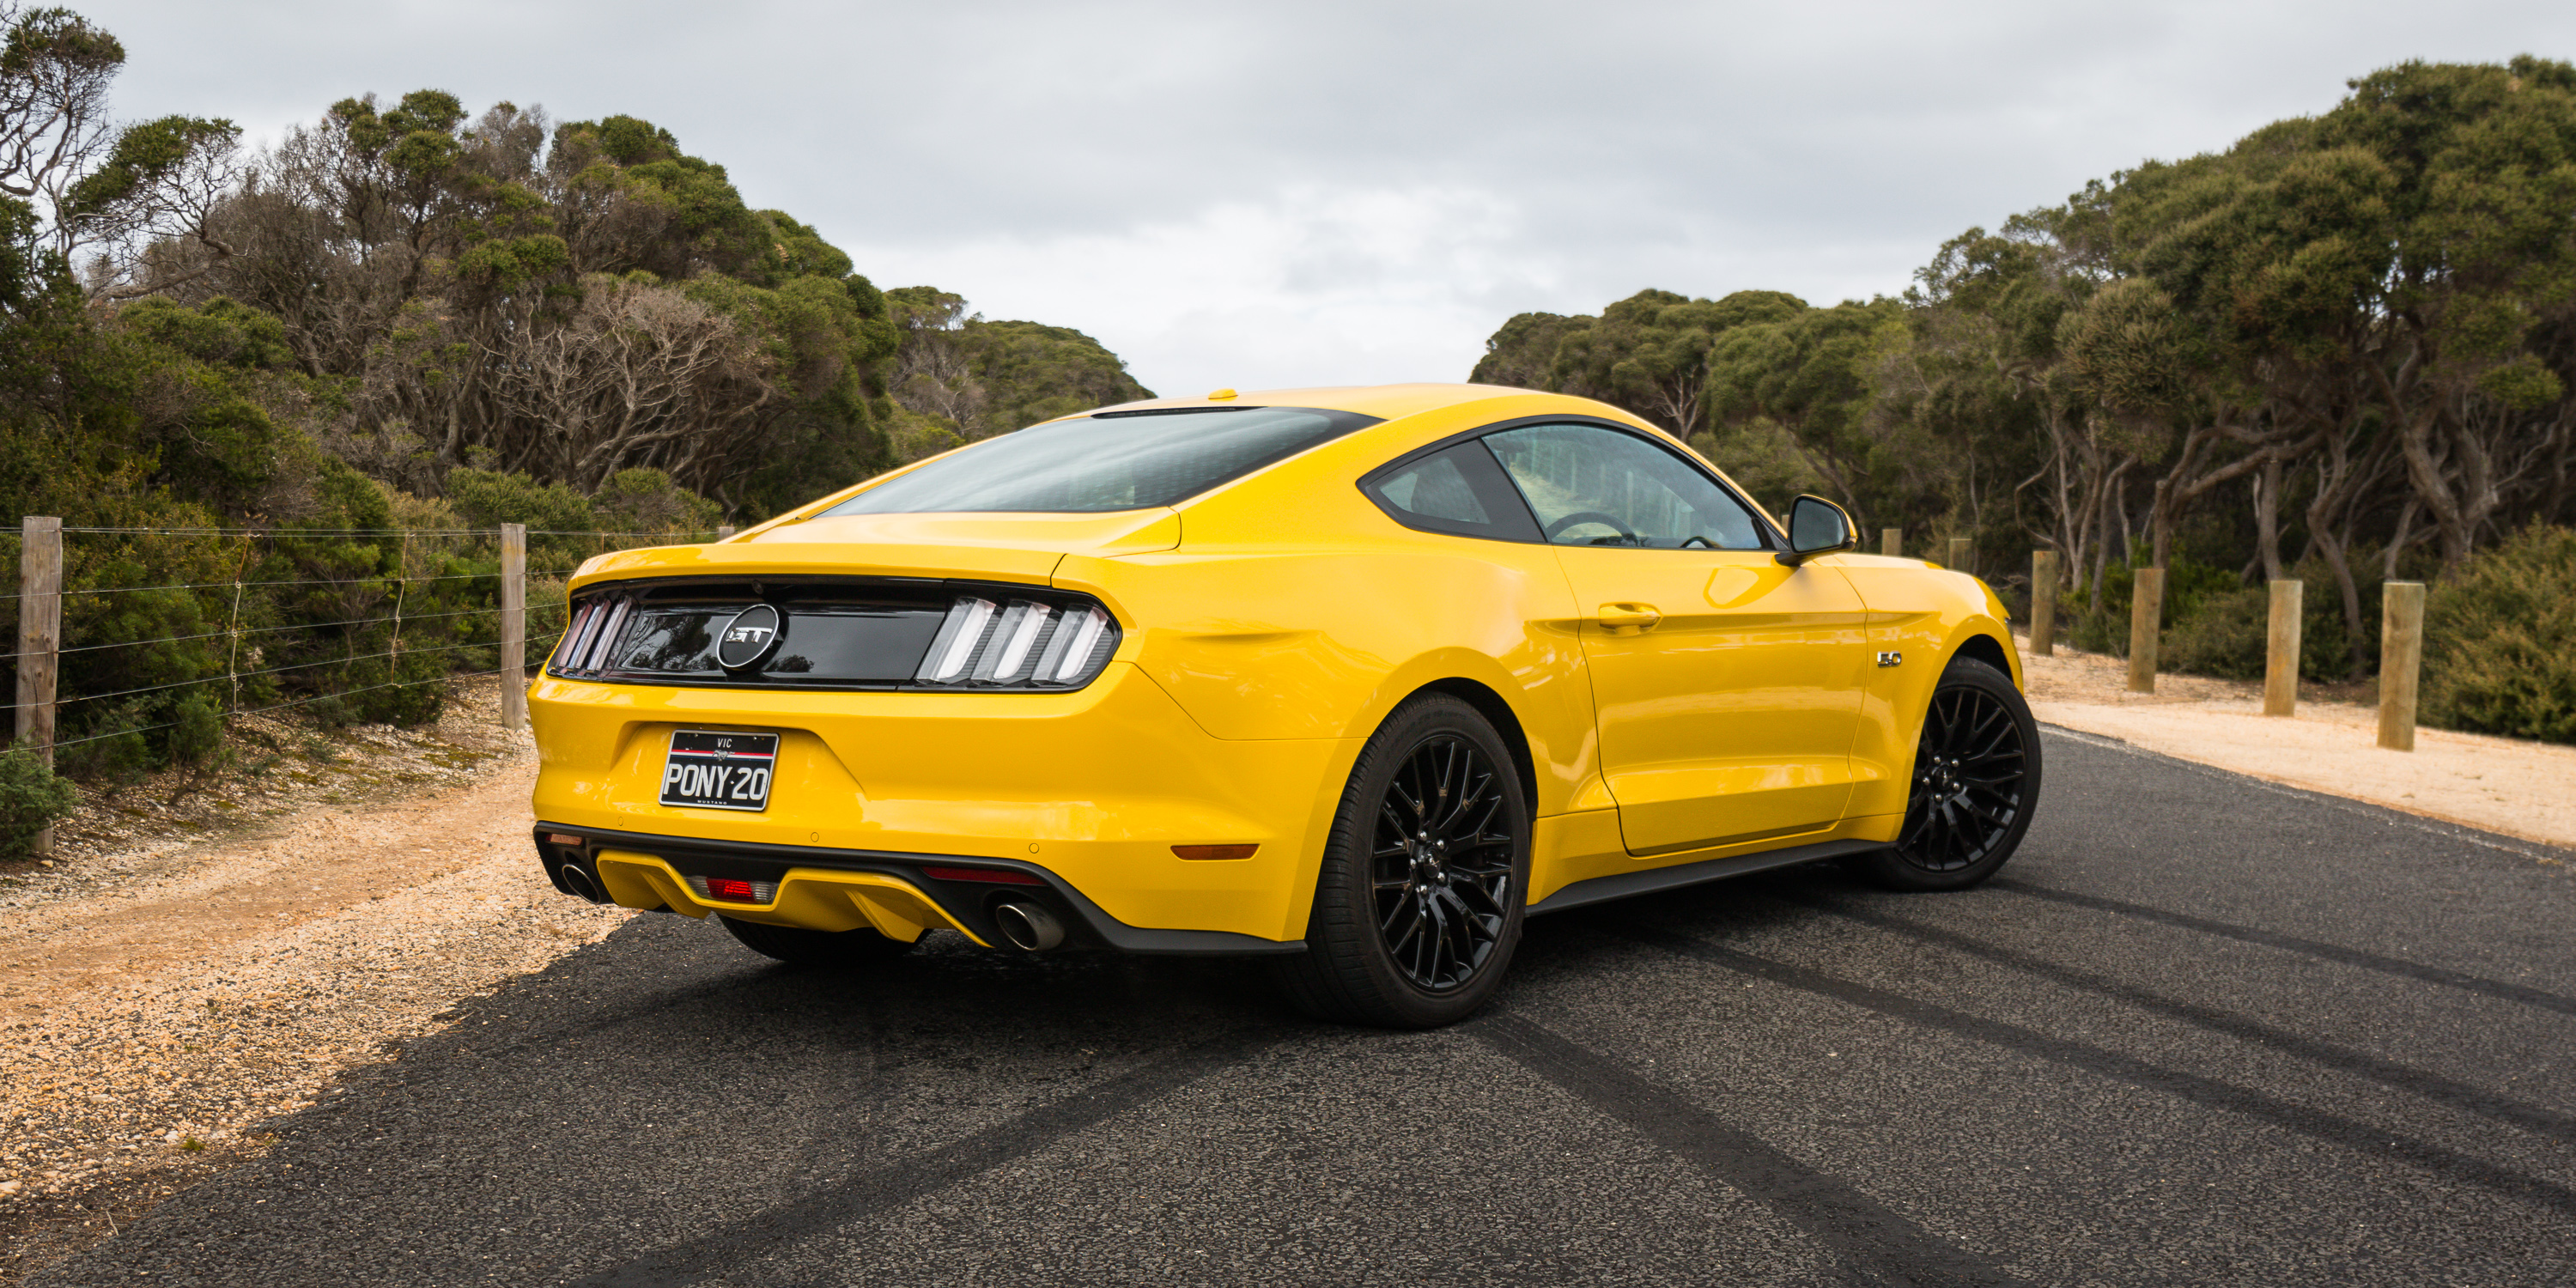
point(164, 634)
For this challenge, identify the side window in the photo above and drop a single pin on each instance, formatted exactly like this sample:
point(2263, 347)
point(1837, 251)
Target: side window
point(1592, 486)
point(1458, 490)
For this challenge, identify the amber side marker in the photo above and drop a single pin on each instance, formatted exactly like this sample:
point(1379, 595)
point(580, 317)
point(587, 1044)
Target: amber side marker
point(1215, 851)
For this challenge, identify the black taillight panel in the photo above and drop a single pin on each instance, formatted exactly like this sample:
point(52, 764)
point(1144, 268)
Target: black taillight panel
point(837, 633)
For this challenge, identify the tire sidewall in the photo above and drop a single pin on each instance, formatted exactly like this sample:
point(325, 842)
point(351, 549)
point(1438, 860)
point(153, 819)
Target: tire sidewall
point(1347, 868)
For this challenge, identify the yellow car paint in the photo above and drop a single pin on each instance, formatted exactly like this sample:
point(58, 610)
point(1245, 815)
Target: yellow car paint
point(1675, 706)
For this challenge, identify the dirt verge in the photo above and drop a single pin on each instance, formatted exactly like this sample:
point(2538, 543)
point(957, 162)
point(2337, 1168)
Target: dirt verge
point(158, 1003)
point(2524, 789)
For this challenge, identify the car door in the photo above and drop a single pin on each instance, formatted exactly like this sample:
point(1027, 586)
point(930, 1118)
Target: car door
point(1727, 687)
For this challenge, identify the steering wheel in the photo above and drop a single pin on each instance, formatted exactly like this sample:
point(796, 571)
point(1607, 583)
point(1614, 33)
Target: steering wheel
point(1686, 542)
point(1589, 516)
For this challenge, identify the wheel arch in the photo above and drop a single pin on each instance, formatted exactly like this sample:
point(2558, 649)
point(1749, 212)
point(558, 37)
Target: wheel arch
point(1506, 722)
point(1987, 649)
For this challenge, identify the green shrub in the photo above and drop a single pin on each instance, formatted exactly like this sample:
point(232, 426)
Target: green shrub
point(32, 798)
point(2230, 635)
point(2500, 640)
point(2104, 627)
point(196, 731)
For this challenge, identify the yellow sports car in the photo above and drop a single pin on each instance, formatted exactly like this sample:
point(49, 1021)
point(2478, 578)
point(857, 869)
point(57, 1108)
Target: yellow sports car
point(1356, 678)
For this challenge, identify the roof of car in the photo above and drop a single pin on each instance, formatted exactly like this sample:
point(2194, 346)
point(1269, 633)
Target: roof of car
point(1386, 402)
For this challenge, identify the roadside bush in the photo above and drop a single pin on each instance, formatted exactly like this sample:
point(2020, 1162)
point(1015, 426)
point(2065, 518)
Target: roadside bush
point(2230, 635)
point(197, 731)
point(2104, 627)
point(2500, 640)
point(32, 798)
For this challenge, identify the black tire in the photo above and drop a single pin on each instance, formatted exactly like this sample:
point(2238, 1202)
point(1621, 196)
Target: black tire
point(1975, 782)
point(1425, 877)
point(821, 949)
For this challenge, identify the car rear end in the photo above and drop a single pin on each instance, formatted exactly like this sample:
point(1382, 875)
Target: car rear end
point(900, 721)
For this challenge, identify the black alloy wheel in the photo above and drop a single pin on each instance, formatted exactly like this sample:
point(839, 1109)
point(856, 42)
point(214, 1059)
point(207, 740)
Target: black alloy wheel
point(1976, 779)
point(1425, 879)
point(1442, 869)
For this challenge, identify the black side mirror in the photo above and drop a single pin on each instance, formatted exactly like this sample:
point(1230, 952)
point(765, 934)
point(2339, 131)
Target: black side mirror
point(1817, 527)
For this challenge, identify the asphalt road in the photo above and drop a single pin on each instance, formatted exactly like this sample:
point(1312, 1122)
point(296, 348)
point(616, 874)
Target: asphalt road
point(2202, 1031)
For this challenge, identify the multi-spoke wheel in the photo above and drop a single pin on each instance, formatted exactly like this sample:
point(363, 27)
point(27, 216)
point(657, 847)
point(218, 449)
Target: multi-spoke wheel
point(1419, 903)
point(1976, 777)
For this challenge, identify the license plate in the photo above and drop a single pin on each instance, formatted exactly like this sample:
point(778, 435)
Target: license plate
point(708, 770)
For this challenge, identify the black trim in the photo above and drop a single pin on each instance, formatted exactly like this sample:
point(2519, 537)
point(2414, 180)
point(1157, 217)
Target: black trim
point(1624, 884)
point(768, 585)
point(968, 901)
point(1770, 531)
point(1486, 479)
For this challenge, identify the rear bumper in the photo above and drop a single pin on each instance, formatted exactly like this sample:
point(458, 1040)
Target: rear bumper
point(822, 889)
point(1088, 791)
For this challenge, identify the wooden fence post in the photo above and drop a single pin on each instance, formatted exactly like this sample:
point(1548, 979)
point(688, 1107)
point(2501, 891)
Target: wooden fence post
point(2281, 664)
point(2401, 661)
point(2146, 619)
point(1891, 541)
point(2043, 602)
point(40, 641)
point(1961, 555)
point(514, 626)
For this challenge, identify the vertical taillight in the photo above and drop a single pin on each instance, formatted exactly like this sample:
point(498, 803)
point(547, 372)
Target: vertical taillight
point(1020, 644)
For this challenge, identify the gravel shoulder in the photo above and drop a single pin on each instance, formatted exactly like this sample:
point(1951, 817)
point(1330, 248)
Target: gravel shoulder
point(2518, 788)
point(160, 1003)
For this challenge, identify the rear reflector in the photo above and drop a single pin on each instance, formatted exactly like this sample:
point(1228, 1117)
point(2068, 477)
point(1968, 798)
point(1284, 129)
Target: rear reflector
point(999, 876)
point(1215, 851)
point(561, 839)
point(729, 890)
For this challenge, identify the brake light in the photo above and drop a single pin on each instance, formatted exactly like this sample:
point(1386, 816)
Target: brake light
point(1023, 644)
point(998, 876)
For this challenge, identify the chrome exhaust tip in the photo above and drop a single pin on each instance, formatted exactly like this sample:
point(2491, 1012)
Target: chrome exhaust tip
point(580, 883)
point(1029, 927)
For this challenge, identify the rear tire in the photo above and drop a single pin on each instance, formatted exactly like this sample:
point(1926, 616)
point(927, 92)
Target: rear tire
point(1975, 782)
point(1425, 877)
point(820, 949)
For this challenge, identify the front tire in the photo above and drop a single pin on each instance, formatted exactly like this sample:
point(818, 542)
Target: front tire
point(1976, 780)
point(819, 949)
point(1425, 878)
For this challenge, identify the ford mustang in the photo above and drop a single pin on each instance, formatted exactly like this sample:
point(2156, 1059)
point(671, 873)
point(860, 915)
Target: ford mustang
point(1357, 679)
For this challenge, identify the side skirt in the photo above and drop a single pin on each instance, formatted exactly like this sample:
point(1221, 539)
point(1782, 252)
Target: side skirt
point(1622, 885)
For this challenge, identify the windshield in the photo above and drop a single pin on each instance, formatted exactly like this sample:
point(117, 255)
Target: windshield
point(1112, 461)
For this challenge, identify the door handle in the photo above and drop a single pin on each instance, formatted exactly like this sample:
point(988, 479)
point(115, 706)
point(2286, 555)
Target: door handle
point(1627, 619)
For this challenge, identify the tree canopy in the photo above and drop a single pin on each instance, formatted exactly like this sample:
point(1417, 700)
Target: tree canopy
point(2348, 337)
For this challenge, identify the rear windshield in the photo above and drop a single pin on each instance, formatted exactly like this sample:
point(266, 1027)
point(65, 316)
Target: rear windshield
point(1113, 461)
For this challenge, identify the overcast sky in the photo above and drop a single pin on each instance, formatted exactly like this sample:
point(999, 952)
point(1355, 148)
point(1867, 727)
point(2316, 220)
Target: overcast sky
point(1333, 193)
